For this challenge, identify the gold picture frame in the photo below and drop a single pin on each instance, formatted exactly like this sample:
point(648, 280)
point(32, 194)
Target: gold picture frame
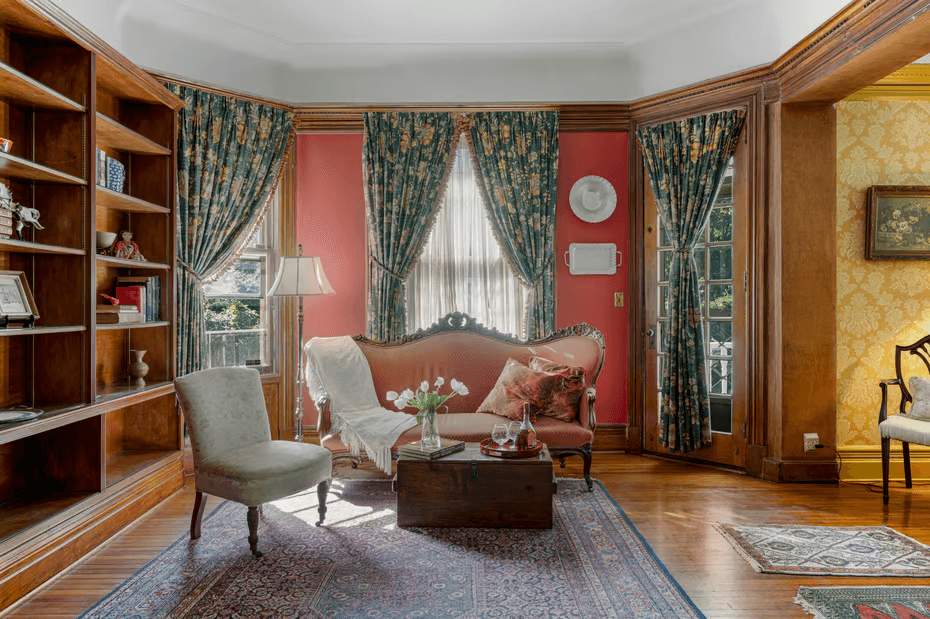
point(898, 223)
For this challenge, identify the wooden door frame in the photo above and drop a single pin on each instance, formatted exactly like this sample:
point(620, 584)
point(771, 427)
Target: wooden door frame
point(752, 100)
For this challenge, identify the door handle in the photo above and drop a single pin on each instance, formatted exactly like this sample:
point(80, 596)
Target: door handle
point(651, 334)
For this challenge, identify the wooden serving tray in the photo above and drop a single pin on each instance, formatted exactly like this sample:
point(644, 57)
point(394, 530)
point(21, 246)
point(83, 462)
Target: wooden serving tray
point(490, 448)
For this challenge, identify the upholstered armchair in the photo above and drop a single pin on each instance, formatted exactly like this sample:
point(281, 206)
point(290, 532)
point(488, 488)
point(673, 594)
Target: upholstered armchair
point(908, 426)
point(234, 456)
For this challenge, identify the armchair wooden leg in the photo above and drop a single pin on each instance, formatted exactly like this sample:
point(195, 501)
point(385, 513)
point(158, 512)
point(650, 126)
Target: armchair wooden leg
point(587, 467)
point(886, 455)
point(252, 518)
point(907, 464)
point(321, 491)
point(200, 502)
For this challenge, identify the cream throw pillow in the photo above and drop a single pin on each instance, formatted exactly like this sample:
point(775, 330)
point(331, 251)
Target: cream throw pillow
point(920, 391)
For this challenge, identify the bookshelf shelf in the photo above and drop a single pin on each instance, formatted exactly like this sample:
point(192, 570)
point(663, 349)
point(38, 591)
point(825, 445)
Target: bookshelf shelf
point(115, 135)
point(137, 325)
point(12, 166)
point(132, 264)
point(21, 89)
point(27, 247)
point(126, 203)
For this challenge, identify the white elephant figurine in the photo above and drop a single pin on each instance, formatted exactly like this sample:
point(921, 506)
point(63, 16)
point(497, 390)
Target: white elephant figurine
point(26, 216)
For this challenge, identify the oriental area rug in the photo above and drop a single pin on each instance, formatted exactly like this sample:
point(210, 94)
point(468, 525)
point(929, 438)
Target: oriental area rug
point(828, 551)
point(592, 564)
point(865, 602)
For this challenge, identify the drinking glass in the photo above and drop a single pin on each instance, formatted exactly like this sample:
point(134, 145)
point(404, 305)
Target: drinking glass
point(499, 434)
point(513, 431)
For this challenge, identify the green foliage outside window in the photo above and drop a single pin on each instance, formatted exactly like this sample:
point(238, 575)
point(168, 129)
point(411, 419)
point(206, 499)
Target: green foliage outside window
point(233, 314)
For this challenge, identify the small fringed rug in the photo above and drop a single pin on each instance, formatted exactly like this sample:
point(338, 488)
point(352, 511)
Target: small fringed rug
point(828, 551)
point(865, 602)
point(591, 564)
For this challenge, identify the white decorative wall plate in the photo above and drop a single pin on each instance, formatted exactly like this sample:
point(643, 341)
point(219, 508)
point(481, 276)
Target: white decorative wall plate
point(593, 258)
point(592, 198)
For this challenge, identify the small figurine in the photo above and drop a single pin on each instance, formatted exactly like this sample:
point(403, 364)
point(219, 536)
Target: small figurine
point(6, 197)
point(127, 249)
point(26, 216)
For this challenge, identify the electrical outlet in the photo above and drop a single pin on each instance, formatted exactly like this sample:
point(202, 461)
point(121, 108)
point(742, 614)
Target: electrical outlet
point(811, 440)
point(618, 299)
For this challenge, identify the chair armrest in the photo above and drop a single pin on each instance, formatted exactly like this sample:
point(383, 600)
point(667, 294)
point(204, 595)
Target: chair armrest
point(323, 422)
point(883, 409)
point(586, 409)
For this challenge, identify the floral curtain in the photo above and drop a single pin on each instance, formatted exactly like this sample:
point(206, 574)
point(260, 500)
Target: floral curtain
point(517, 165)
point(229, 160)
point(686, 161)
point(406, 161)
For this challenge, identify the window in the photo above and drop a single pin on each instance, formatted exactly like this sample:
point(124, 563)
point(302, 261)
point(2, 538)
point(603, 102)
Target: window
point(239, 321)
point(461, 267)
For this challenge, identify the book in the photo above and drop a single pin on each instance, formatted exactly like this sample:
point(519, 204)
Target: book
point(117, 308)
point(152, 285)
point(446, 447)
point(113, 318)
point(132, 295)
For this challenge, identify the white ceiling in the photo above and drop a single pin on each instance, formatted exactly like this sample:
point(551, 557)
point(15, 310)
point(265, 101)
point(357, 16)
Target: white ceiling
point(393, 51)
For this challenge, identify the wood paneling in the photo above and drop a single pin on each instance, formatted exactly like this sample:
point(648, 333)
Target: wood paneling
point(910, 83)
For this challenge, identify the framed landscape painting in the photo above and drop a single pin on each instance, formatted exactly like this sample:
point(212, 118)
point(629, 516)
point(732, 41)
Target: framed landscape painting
point(897, 223)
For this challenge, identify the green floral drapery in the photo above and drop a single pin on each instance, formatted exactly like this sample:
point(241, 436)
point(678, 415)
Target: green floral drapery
point(686, 161)
point(517, 164)
point(229, 160)
point(406, 161)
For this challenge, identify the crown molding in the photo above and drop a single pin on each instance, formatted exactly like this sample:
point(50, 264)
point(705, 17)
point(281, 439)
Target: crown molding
point(219, 90)
point(910, 83)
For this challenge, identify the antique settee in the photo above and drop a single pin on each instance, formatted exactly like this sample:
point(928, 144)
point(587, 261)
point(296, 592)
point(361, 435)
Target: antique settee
point(459, 347)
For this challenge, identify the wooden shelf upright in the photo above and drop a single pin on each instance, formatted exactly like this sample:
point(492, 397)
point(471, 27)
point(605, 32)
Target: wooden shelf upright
point(103, 452)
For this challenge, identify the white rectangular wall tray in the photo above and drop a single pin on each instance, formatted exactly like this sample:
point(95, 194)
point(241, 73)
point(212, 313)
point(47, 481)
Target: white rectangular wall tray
point(593, 258)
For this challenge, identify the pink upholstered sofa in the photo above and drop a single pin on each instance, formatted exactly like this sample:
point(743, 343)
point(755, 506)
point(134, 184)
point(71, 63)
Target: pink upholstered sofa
point(458, 347)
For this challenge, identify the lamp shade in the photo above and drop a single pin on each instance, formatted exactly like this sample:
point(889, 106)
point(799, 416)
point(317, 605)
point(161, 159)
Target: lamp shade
point(300, 276)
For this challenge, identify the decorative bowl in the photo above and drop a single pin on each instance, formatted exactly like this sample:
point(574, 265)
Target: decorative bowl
point(105, 239)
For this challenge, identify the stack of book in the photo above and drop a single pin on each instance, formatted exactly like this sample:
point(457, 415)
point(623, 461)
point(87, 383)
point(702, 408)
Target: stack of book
point(6, 223)
point(118, 314)
point(414, 450)
point(142, 291)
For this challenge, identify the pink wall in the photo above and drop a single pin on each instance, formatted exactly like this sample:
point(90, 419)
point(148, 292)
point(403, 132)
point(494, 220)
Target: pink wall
point(590, 298)
point(331, 224)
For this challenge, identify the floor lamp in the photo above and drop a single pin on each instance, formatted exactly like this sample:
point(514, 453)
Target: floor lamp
point(300, 276)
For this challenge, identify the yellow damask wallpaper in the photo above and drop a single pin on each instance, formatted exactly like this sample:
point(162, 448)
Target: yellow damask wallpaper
point(879, 303)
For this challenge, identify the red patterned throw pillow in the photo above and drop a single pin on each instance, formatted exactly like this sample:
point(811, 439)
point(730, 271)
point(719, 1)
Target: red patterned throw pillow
point(518, 384)
point(567, 392)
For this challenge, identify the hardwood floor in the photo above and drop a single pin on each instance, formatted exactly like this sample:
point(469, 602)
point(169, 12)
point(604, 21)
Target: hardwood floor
point(673, 505)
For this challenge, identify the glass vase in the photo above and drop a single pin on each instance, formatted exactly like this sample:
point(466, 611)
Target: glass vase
point(429, 439)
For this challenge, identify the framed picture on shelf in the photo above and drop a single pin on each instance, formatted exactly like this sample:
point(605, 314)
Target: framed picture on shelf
point(16, 303)
point(897, 223)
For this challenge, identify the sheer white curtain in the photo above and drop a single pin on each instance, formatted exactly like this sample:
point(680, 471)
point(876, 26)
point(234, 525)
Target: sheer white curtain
point(461, 268)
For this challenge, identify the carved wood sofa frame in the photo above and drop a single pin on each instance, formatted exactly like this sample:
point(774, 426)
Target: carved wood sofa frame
point(921, 350)
point(457, 321)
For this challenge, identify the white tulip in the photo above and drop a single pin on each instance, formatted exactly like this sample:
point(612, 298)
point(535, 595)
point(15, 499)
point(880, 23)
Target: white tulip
point(400, 403)
point(392, 395)
point(424, 386)
point(440, 381)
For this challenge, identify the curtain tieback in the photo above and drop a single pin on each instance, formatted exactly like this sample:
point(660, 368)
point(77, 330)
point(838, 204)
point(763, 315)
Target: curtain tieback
point(682, 251)
point(542, 272)
point(197, 279)
point(387, 270)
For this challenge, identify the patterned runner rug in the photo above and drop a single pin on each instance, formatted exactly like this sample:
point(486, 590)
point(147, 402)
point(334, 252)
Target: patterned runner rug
point(865, 602)
point(592, 564)
point(828, 551)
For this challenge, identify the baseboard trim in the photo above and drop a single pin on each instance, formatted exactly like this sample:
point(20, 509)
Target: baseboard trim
point(611, 437)
point(864, 462)
point(811, 471)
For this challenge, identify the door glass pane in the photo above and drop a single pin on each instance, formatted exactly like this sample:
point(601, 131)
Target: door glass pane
point(700, 262)
point(702, 291)
point(720, 225)
point(721, 300)
point(721, 415)
point(721, 376)
point(721, 262)
point(660, 375)
point(720, 335)
point(663, 301)
point(665, 264)
point(663, 235)
point(662, 337)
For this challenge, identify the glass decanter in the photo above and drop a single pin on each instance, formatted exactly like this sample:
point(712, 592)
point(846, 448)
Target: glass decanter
point(526, 439)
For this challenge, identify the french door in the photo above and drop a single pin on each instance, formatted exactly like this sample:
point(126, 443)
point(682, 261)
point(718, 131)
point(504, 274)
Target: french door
point(720, 261)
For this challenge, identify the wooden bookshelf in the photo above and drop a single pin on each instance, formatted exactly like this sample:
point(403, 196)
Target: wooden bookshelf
point(103, 452)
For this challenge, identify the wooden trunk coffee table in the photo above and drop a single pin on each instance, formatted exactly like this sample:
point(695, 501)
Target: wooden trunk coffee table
point(470, 489)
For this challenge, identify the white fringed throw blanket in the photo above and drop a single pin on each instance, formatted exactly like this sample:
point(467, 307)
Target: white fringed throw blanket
point(344, 374)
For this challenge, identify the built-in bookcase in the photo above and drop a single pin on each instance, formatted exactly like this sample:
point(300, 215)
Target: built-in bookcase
point(104, 451)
